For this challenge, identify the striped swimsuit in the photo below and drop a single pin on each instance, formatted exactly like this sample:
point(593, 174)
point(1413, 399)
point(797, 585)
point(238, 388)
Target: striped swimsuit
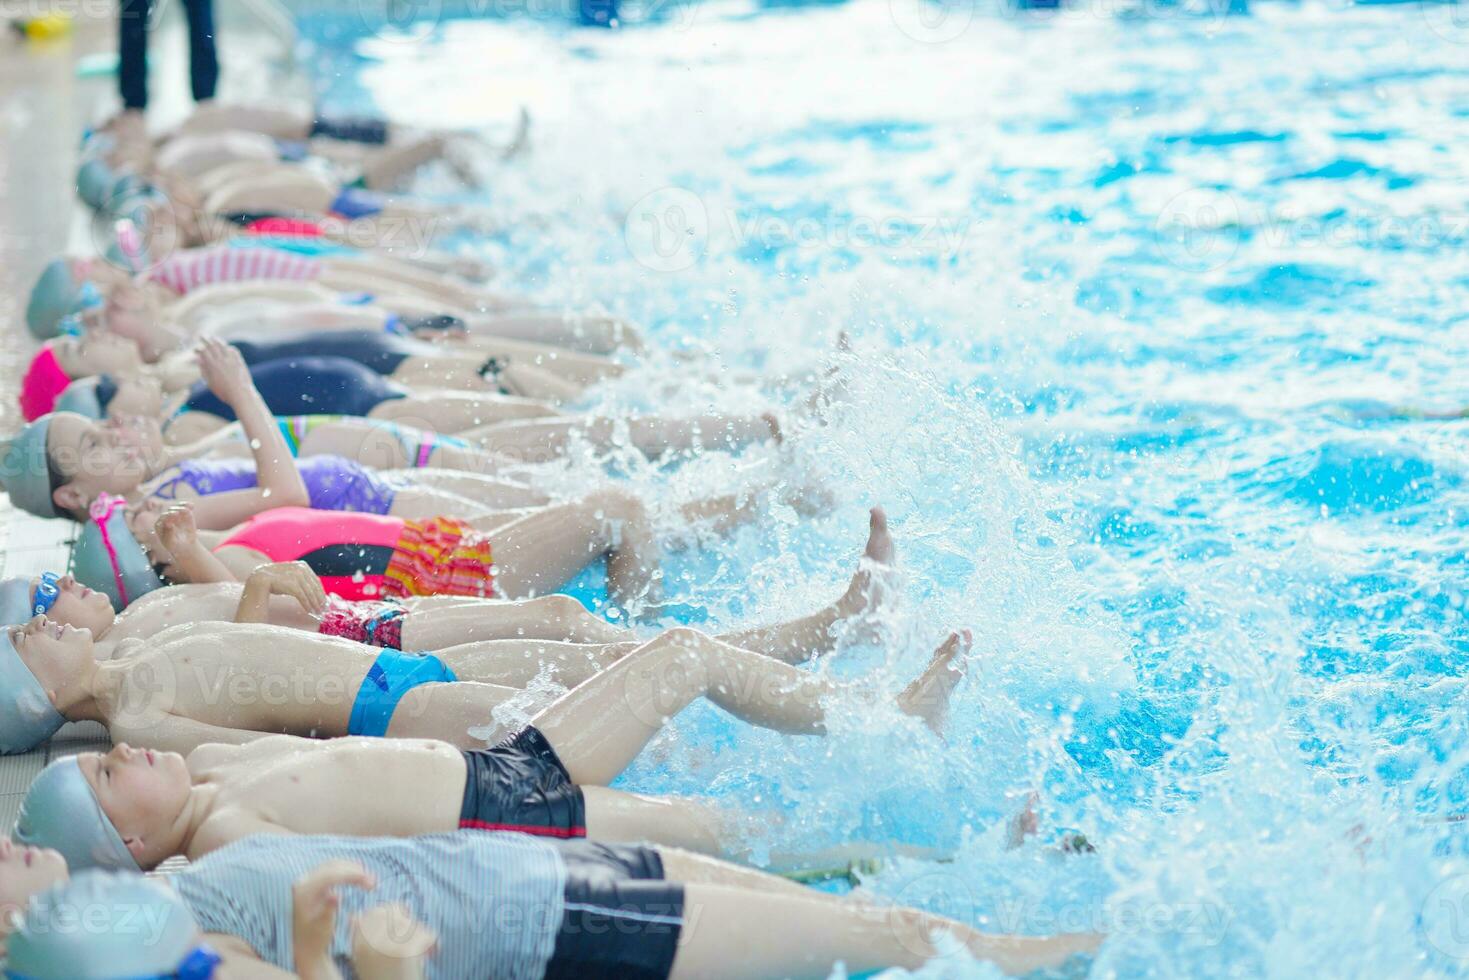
point(186, 271)
point(495, 900)
point(504, 906)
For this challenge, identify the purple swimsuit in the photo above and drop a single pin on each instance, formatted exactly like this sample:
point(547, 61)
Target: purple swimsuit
point(332, 482)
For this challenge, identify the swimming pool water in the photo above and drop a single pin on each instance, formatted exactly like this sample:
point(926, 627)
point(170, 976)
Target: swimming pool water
point(1140, 300)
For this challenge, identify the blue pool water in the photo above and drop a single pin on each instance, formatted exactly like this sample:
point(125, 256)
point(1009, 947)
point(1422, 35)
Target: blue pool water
point(1138, 299)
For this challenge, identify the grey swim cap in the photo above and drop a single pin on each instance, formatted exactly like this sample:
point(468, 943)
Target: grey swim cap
point(56, 294)
point(24, 471)
point(95, 181)
point(109, 559)
point(27, 716)
point(15, 601)
point(81, 397)
point(102, 925)
point(60, 811)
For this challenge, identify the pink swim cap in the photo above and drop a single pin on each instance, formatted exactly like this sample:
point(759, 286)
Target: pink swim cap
point(294, 227)
point(43, 383)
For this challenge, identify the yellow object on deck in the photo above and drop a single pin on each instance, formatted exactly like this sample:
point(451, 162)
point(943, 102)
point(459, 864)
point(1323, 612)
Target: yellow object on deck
point(43, 28)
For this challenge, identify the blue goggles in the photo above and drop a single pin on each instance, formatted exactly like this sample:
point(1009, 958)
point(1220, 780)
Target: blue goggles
point(89, 297)
point(46, 594)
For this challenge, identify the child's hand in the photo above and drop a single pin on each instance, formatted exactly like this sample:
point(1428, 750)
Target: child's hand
point(388, 943)
point(314, 913)
point(295, 579)
point(176, 528)
point(225, 372)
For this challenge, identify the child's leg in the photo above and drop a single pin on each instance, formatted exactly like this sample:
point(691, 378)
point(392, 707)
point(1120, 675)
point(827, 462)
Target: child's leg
point(546, 548)
point(690, 867)
point(447, 712)
point(560, 617)
point(733, 932)
point(418, 503)
point(552, 617)
point(590, 333)
point(384, 167)
point(572, 365)
point(599, 727)
point(455, 411)
point(390, 446)
point(517, 663)
point(487, 492)
point(544, 439)
point(454, 373)
point(798, 640)
point(629, 818)
point(529, 381)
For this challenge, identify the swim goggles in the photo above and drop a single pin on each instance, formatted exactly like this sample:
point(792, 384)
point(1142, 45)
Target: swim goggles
point(89, 296)
point(46, 594)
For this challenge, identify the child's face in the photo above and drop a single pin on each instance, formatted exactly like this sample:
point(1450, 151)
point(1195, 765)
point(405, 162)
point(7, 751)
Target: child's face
point(25, 871)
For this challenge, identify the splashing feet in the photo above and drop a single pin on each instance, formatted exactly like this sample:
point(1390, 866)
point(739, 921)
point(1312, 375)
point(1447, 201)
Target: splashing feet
point(927, 698)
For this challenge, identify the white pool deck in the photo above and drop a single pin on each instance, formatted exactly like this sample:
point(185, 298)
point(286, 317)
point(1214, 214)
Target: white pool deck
point(44, 107)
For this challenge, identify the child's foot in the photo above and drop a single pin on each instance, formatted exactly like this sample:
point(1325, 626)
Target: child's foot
point(776, 435)
point(869, 586)
point(831, 386)
point(928, 696)
point(1024, 824)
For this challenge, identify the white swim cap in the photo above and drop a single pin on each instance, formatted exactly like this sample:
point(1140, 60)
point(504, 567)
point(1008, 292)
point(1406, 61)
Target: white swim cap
point(27, 716)
point(109, 559)
point(61, 812)
point(103, 925)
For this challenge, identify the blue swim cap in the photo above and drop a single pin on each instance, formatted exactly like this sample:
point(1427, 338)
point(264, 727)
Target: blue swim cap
point(60, 811)
point(95, 181)
point(27, 716)
point(24, 472)
point(55, 294)
point(94, 142)
point(109, 559)
point(82, 398)
point(15, 601)
point(103, 925)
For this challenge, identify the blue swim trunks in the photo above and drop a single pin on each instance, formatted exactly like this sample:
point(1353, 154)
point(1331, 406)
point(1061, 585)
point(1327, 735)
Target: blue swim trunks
point(354, 202)
point(393, 675)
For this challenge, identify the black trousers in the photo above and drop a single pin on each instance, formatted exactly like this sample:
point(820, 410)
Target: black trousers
point(132, 68)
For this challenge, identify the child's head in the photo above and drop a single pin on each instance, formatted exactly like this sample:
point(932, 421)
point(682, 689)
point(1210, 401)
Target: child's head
point(60, 463)
point(60, 598)
point(24, 872)
point(102, 925)
point(123, 809)
point(118, 549)
point(133, 402)
point(38, 661)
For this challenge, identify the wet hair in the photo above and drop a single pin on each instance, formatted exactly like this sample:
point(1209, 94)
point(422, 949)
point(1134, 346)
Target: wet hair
point(106, 391)
point(54, 476)
point(57, 480)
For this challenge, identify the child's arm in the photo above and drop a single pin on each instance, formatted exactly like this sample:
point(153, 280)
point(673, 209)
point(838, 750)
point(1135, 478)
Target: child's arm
point(172, 733)
point(278, 482)
point(192, 561)
point(287, 578)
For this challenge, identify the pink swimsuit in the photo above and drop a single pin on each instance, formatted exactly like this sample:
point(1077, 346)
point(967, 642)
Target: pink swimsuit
point(350, 551)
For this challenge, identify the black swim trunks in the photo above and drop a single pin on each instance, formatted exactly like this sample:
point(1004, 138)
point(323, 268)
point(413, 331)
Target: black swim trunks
point(521, 785)
point(622, 918)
